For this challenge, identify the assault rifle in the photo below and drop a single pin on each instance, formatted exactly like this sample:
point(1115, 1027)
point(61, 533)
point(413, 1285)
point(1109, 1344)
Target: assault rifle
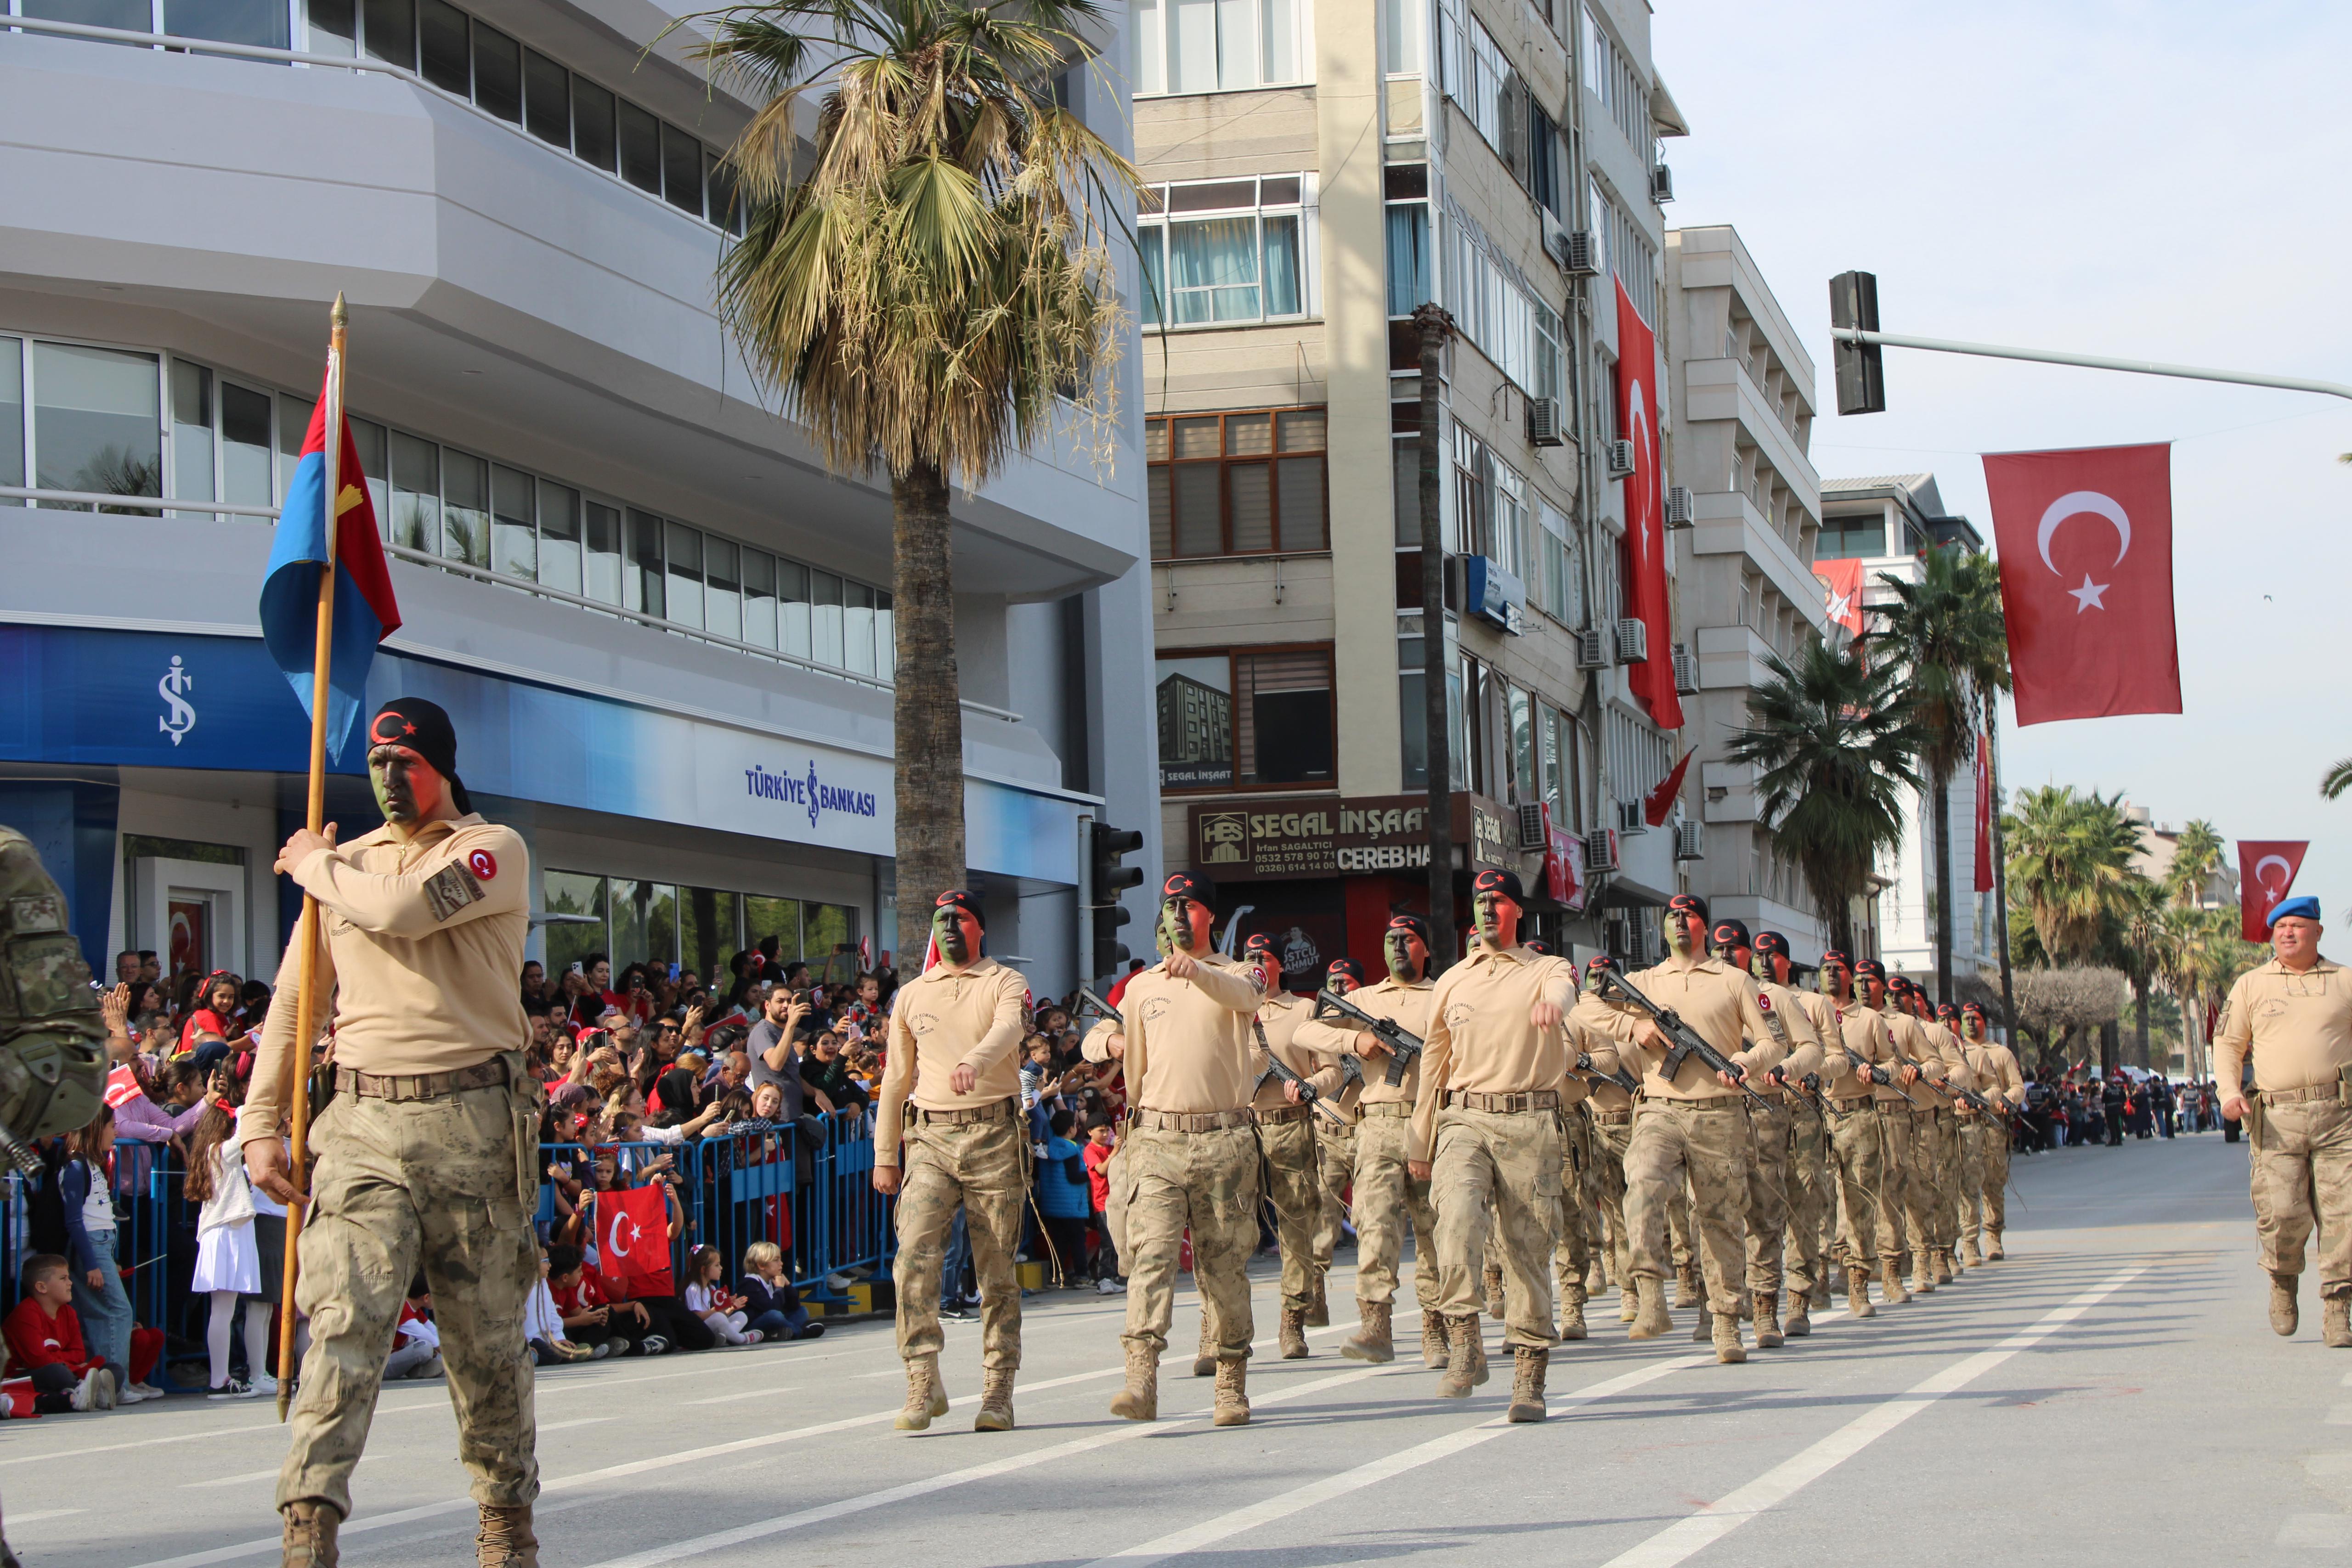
point(1276, 1068)
point(1623, 1078)
point(1686, 1040)
point(1404, 1045)
point(1874, 1072)
point(1950, 1091)
point(1086, 998)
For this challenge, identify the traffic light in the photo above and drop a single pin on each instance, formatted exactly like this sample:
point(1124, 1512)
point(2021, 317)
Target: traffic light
point(1861, 374)
point(1107, 849)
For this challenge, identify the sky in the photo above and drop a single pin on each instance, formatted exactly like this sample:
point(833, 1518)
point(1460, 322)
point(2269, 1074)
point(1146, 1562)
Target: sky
point(2155, 181)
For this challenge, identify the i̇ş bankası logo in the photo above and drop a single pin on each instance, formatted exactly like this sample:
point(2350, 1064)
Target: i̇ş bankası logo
point(808, 791)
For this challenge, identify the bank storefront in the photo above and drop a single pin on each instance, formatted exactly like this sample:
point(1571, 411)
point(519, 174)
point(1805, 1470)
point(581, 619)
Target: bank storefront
point(158, 772)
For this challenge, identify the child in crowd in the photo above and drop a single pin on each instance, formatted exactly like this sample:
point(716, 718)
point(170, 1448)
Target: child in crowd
point(1036, 1083)
point(621, 1328)
point(415, 1342)
point(1061, 1188)
point(86, 1183)
point(775, 1307)
point(542, 1327)
point(1101, 1143)
point(44, 1343)
point(709, 1300)
point(228, 1261)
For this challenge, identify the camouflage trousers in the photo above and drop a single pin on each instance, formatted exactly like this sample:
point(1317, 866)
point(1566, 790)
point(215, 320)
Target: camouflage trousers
point(1572, 1231)
point(1387, 1203)
point(1922, 1178)
point(1969, 1211)
point(1809, 1195)
point(1705, 1142)
point(1294, 1186)
point(1992, 1212)
point(2301, 1177)
point(396, 1186)
point(1609, 1137)
point(1857, 1166)
point(1897, 1142)
point(1499, 1174)
point(1337, 1150)
point(982, 1168)
point(1767, 1195)
point(1945, 1142)
point(1207, 1182)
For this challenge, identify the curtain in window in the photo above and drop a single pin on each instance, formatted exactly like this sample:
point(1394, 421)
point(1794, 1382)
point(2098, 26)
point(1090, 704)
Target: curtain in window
point(1282, 267)
point(1408, 258)
point(1212, 266)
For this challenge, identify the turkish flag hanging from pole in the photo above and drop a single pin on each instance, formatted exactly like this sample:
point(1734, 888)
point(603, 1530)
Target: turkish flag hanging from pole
point(1841, 591)
point(1984, 813)
point(1660, 803)
point(632, 1240)
point(2085, 544)
point(1653, 680)
point(2266, 870)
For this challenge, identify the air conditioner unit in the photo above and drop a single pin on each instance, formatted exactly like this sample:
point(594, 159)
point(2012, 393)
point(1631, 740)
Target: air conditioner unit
point(1532, 835)
point(1680, 511)
point(1543, 423)
point(1592, 649)
point(1662, 185)
point(1630, 818)
point(1632, 642)
point(1583, 258)
point(1690, 841)
point(1644, 948)
point(1600, 850)
point(1621, 459)
point(1686, 670)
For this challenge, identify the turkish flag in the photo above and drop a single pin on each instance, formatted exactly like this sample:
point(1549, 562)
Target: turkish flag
point(2266, 868)
point(1841, 591)
point(1660, 803)
point(2085, 544)
point(1645, 512)
point(631, 1230)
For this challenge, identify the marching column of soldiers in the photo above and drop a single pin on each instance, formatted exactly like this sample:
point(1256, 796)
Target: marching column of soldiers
point(1540, 1134)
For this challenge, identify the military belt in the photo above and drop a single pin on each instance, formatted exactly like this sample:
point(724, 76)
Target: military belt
point(1712, 1102)
point(2298, 1096)
point(1275, 1115)
point(419, 1086)
point(1855, 1103)
point(994, 1111)
point(1397, 1108)
point(1525, 1100)
point(1613, 1118)
point(1193, 1121)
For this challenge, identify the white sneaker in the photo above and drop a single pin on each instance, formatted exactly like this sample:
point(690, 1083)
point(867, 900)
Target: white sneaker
point(234, 1388)
point(137, 1394)
point(265, 1385)
point(1109, 1288)
point(838, 1281)
point(149, 1391)
point(95, 1391)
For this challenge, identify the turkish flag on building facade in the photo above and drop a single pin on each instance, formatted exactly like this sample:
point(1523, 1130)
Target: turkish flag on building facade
point(1984, 813)
point(1660, 803)
point(2086, 541)
point(1564, 864)
point(1645, 512)
point(1841, 591)
point(632, 1229)
point(2266, 868)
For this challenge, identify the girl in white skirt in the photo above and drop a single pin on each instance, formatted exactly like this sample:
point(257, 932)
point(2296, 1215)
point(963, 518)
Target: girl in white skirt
point(228, 1258)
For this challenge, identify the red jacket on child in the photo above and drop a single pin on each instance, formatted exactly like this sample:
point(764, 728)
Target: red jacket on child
point(36, 1339)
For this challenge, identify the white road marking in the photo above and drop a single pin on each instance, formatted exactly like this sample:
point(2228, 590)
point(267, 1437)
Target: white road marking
point(16, 1518)
point(2341, 1415)
point(739, 1398)
point(2316, 1532)
point(1209, 1531)
point(1689, 1536)
point(582, 1421)
point(720, 1540)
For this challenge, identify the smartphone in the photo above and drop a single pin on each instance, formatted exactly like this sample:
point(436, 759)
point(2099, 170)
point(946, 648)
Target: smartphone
point(673, 971)
point(576, 969)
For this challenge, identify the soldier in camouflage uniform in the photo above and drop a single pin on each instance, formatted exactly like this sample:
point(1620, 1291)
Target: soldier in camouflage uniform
point(1611, 1113)
point(1337, 1150)
point(1807, 1179)
point(1984, 1214)
point(1772, 1130)
point(1286, 1133)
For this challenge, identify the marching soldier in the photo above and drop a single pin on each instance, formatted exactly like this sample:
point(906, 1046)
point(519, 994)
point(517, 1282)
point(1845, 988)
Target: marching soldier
point(1994, 1067)
point(1924, 1206)
point(1772, 1185)
point(2293, 1018)
point(1486, 1137)
point(1285, 1136)
point(1801, 1078)
point(1336, 1146)
point(1691, 1125)
point(1612, 1111)
point(1192, 1148)
point(1592, 1054)
point(951, 1110)
point(1859, 1073)
point(1898, 1133)
point(1951, 1151)
point(1388, 1198)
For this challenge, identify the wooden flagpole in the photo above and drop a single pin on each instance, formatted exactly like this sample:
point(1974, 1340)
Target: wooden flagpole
point(294, 1084)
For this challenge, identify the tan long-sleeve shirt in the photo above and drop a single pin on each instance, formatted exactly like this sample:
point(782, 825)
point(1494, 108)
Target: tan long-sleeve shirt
point(1593, 1015)
point(1407, 1007)
point(1189, 1048)
point(1946, 1043)
point(423, 941)
point(1283, 1019)
point(943, 1019)
point(2297, 1027)
point(1481, 1038)
point(1859, 1044)
point(1713, 998)
point(1994, 1069)
point(1793, 1028)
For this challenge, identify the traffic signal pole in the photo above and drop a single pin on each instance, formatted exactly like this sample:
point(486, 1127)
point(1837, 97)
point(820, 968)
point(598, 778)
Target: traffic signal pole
point(1863, 338)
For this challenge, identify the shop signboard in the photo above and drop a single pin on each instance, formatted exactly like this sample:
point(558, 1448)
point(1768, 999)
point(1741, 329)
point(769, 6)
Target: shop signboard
point(1337, 836)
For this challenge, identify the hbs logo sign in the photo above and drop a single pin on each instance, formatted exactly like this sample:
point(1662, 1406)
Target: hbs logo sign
point(180, 715)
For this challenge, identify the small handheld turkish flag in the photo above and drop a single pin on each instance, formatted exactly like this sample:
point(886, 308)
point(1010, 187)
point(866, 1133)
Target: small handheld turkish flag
point(2266, 868)
point(2086, 580)
point(633, 1241)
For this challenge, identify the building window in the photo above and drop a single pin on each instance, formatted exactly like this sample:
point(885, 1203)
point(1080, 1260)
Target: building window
point(1217, 46)
point(95, 420)
point(1610, 76)
point(1557, 578)
point(1223, 251)
point(1401, 37)
point(1490, 505)
point(1495, 307)
point(1406, 186)
point(697, 928)
point(1259, 717)
point(1522, 705)
point(1237, 484)
point(1844, 538)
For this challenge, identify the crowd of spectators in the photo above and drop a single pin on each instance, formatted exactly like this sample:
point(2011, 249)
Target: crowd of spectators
point(2080, 1107)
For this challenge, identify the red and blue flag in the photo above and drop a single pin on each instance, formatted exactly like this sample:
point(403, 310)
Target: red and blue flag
point(365, 611)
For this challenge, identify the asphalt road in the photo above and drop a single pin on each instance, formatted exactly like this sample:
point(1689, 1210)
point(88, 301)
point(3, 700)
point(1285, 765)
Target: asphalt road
point(2110, 1393)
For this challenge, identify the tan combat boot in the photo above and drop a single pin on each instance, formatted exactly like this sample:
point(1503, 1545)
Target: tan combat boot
point(995, 1401)
point(505, 1540)
point(1728, 1348)
point(1767, 1321)
point(1140, 1400)
point(2284, 1314)
point(1942, 1256)
point(309, 1539)
point(1923, 1272)
point(1572, 1312)
point(1371, 1342)
point(1650, 1318)
point(1702, 1327)
point(924, 1397)
point(1824, 1293)
point(2335, 1322)
point(1466, 1366)
point(1435, 1350)
point(1204, 1360)
point(1801, 1315)
point(1528, 1363)
point(1294, 1334)
point(1595, 1279)
point(1890, 1280)
point(1494, 1303)
point(1629, 1302)
point(1857, 1295)
point(1970, 1256)
point(1687, 1292)
point(1992, 1246)
point(1319, 1311)
point(1233, 1394)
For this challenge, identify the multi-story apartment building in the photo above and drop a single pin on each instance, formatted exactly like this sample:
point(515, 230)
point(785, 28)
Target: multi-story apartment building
point(1874, 528)
point(663, 632)
point(1742, 392)
point(1317, 172)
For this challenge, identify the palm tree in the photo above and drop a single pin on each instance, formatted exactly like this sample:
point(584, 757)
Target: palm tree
point(2139, 933)
point(1830, 737)
point(2195, 858)
point(923, 288)
point(1945, 633)
point(2339, 777)
point(2070, 860)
